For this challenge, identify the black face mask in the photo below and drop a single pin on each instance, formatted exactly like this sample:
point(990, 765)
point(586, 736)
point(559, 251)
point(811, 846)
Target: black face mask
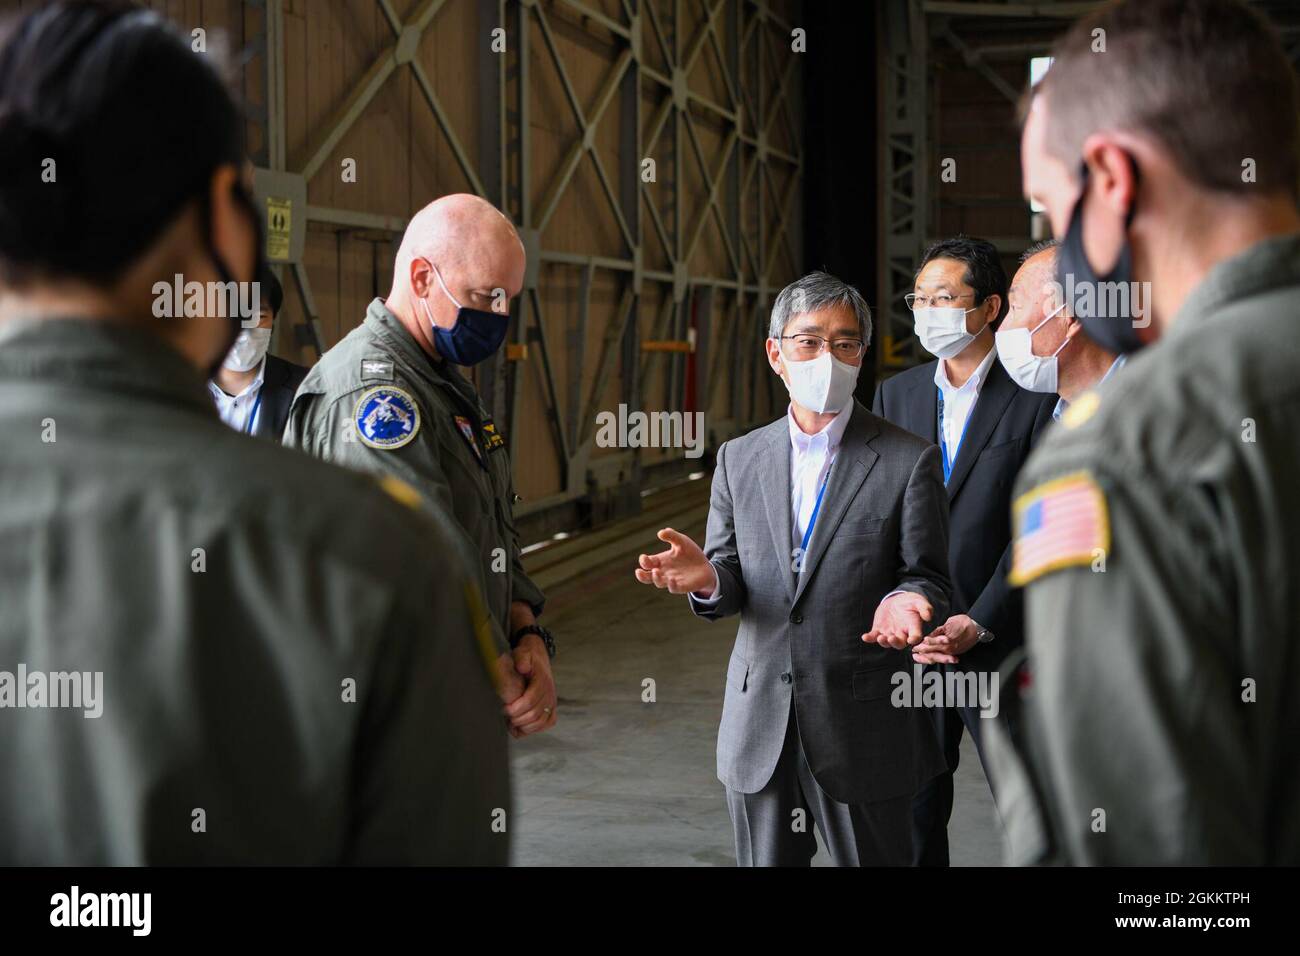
point(1085, 290)
point(244, 199)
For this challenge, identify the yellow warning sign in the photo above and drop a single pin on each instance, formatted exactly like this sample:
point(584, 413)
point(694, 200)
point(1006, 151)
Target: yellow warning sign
point(277, 228)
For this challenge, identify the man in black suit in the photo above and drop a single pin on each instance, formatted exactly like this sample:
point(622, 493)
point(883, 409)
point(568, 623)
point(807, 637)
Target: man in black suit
point(984, 425)
point(253, 390)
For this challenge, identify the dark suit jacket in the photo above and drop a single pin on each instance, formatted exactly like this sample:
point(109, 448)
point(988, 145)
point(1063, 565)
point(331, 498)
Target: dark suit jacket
point(882, 526)
point(280, 382)
point(1003, 426)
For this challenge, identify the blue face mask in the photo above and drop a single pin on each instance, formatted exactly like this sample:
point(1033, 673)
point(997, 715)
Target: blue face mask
point(476, 335)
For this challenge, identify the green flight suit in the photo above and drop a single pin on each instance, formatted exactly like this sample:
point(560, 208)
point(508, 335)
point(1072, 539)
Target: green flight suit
point(1157, 532)
point(377, 402)
point(292, 670)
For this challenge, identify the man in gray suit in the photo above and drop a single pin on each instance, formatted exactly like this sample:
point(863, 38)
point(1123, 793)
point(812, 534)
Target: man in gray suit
point(828, 534)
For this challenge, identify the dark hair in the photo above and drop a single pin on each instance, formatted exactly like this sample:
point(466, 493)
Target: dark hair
point(271, 291)
point(984, 272)
point(1042, 245)
point(107, 102)
point(1206, 78)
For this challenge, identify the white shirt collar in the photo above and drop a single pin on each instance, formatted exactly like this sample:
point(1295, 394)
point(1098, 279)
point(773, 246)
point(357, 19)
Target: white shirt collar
point(1062, 404)
point(974, 383)
point(251, 388)
point(829, 437)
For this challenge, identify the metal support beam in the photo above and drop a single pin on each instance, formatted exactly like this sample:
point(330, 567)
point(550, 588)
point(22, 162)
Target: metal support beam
point(746, 178)
point(975, 62)
point(904, 175)
point(977, 8)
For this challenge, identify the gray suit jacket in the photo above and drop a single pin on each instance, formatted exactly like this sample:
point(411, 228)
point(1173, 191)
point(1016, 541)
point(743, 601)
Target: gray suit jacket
point(883, 526)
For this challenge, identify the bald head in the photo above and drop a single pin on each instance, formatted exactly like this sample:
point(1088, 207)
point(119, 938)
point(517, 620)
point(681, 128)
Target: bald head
point(1037, 277)
point(475, 250)
point(462, 229)
point(1035, 298)
point(1034, 292)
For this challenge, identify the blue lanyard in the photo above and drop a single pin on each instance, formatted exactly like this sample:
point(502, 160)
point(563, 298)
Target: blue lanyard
point(817, 506)
point(248, 425)
point(943, 445)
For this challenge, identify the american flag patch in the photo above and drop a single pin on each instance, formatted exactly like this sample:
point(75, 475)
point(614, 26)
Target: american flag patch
point(1060, 523)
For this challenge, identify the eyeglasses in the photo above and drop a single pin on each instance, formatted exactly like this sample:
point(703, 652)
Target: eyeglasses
point(808, 346)
point(943, 301)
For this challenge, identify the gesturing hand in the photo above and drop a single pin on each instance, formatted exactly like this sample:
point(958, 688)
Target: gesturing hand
point(681, 569)
point(899, 620)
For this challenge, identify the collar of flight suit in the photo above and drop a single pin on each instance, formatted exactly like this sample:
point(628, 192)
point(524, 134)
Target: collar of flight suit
point(100, 354)
point(1269, 264)
point(388, 328)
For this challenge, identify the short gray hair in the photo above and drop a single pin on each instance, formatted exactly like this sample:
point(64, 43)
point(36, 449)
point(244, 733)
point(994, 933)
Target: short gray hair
point(814, 292)
point(1042, 245)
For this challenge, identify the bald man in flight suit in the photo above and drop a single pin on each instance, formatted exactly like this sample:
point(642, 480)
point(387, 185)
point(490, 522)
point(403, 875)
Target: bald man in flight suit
point(388, 399)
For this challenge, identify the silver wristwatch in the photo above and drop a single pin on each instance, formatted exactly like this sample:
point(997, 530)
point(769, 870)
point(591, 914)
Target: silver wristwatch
point(982, 634)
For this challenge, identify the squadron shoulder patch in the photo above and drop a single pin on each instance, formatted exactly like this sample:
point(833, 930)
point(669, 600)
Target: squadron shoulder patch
point(1059, 524)
point(386, 417)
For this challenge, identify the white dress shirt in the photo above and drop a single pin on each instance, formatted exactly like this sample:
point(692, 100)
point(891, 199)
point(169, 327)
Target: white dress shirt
point(958, 403)
point(811, 457)
point(810, 460)
point(237, 410)
point(1062, 404)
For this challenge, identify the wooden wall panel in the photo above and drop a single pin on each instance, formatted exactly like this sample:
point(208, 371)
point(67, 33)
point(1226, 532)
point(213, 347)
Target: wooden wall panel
point(404, 160)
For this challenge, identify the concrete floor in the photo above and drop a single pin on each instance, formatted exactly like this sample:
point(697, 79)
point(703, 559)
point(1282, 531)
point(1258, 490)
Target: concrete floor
point(622, 782)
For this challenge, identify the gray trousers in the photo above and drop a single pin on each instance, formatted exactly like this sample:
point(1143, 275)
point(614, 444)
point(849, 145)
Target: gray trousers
point(769, 832)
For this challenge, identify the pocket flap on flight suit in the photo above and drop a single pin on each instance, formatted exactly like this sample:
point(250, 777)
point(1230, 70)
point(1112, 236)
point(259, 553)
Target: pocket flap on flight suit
point(873, 684)
point(738, 673)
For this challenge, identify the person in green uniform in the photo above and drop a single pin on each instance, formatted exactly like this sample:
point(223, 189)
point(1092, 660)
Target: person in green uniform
point(212, 650)
point(388, 399)
point(1157, 528)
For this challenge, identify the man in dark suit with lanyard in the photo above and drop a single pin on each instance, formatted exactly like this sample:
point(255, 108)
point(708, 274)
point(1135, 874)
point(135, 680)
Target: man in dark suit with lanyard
point(984, 425)
point(252, 389)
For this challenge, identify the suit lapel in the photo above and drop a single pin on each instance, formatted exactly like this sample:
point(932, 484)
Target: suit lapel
point(273, 377)
point(275, 373)
point(995, 395)
point(774, 479)
point(853, 462)
point(923, 409)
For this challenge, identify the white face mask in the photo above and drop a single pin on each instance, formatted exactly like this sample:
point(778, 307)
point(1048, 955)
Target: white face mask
point(1037, 373)
point(248, 350)
point(824, 384)
point(943, 331)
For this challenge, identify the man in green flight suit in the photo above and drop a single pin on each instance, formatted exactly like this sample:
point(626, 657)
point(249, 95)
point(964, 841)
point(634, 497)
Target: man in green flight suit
point(389, 400)
point(1157, 528)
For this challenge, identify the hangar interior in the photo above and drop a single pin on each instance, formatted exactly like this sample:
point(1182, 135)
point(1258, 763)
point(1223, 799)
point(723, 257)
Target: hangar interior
point(670, 165)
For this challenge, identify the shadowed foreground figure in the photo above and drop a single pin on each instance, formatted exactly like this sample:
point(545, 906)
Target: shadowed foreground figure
point(1157, 526)
point(212, 650)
